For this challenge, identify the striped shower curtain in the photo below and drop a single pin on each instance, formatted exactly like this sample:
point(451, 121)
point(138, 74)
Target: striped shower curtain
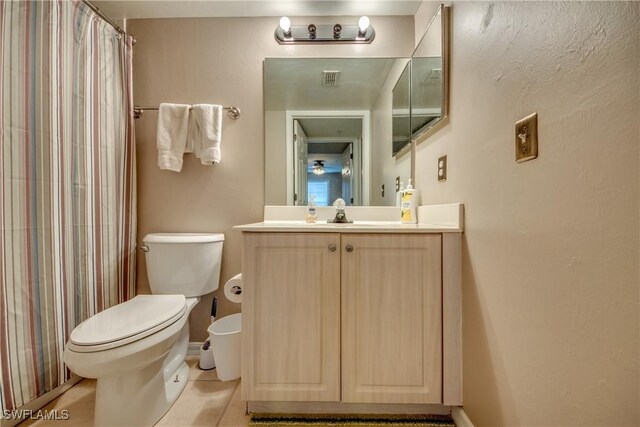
point(67, 185)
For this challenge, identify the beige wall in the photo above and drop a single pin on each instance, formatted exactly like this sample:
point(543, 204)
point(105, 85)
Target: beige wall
point(550, 262)
point(219, 60)
point(384, 167)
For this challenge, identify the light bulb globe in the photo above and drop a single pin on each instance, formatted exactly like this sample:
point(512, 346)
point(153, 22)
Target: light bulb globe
point(285, 24)
point(363, 23)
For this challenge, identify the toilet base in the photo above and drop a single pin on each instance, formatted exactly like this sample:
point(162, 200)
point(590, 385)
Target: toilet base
point(142, 397)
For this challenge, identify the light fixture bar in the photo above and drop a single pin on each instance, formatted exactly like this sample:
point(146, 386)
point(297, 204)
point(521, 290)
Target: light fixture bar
point(300, 34)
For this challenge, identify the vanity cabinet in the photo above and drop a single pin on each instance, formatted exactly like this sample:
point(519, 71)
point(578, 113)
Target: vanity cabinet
point(391, 318)
point(342, 317)
point(291, 317)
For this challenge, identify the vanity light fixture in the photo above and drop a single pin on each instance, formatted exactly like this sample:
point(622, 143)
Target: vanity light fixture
point(363, 33)
point(318, 167)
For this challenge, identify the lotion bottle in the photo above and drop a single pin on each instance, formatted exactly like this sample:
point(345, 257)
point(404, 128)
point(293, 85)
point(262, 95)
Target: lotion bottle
point(408, 206)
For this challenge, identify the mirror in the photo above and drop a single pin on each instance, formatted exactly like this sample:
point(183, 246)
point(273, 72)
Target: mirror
point(345, 127)
point(328, 130)
point(401, 113)
point(430, 78)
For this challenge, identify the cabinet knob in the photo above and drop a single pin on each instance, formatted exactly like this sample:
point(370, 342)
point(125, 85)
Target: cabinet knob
point(332, 247)
point(349, 248)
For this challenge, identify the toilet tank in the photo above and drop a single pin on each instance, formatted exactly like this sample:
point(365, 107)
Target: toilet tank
point(183, 263)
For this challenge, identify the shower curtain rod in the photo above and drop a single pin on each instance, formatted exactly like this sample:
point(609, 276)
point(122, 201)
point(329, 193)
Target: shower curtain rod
point(96, 9)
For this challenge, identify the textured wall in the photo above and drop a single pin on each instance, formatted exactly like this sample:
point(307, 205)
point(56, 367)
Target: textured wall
point(219, 60)
point(550, 261)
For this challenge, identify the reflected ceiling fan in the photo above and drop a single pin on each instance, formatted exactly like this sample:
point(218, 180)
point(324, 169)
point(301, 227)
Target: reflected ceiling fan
point(318, 167)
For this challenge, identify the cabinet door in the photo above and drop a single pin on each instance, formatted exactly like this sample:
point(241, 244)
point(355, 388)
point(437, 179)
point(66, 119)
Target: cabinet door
point(391, 318)
point(291, 317)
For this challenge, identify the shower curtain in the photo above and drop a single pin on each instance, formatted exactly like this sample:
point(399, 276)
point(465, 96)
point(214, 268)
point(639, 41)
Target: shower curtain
point(67, 185)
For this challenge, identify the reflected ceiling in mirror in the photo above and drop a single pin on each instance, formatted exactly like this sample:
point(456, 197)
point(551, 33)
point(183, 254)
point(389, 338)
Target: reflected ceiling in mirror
point(430, 78)
point(324, 83)
point(401, 112)
point(334, 112)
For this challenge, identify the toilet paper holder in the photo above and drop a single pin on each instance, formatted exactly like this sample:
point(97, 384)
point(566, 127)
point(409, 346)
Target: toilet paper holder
point(233, 289)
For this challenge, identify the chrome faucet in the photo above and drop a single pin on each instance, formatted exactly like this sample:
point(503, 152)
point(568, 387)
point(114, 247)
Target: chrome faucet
point(341, 217)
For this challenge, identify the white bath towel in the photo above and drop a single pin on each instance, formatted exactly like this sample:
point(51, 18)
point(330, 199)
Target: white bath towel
point(171, 136)
point(206, 132)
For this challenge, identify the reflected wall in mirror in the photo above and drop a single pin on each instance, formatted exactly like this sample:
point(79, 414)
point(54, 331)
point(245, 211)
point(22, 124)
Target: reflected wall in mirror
point(401, 113)
point(430, 78)
point(328, 130)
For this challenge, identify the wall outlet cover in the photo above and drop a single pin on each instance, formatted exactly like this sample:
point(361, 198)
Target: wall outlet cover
point(442, 168)
point(526, 138)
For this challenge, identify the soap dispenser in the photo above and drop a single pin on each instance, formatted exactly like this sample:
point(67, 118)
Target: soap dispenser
point(312, 214)
point(408, 205)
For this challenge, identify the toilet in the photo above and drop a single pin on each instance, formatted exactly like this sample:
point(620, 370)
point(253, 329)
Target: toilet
point(136, 350)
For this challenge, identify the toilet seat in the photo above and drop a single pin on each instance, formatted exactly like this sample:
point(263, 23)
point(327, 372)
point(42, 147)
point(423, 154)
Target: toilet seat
point(130, 321)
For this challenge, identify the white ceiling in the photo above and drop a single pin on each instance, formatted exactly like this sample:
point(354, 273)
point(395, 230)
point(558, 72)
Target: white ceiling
point(132, 9)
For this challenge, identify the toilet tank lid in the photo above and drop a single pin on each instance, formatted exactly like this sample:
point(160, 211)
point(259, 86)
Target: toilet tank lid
point(183, 237)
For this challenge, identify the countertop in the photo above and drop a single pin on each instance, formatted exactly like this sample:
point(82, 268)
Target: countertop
point(356, 227)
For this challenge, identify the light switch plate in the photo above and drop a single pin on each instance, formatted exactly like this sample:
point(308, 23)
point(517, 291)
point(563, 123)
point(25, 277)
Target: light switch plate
point(527, 138)
point(442, 168)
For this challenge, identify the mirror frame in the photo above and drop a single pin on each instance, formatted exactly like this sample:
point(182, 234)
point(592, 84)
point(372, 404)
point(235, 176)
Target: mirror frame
point(423, 134)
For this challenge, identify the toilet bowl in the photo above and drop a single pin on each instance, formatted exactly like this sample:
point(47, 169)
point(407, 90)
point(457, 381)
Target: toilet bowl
point(136, 350)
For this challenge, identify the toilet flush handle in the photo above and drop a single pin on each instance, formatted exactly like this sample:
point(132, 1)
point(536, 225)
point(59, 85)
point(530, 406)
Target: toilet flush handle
point(144, 248)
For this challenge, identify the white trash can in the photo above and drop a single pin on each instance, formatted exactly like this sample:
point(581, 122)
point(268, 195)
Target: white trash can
point(225, 342)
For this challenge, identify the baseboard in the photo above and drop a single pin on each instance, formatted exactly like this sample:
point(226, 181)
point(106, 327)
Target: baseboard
point(42, 401)
point(460, 417)
point(194, 349)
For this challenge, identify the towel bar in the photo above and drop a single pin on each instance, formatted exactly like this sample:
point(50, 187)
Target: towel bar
point(233, 112)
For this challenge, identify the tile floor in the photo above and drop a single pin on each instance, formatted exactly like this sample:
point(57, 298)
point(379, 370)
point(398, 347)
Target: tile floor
point(205, 401)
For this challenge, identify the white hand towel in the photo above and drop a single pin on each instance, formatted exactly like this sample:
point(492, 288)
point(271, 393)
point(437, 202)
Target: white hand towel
point(208, 132)
point(171, 137)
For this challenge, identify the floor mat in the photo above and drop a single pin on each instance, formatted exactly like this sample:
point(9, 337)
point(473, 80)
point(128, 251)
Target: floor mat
point(276, 420)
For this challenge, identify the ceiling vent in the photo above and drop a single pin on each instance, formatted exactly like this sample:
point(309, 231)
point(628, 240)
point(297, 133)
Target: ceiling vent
point(330, 78)
point(433, 74)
